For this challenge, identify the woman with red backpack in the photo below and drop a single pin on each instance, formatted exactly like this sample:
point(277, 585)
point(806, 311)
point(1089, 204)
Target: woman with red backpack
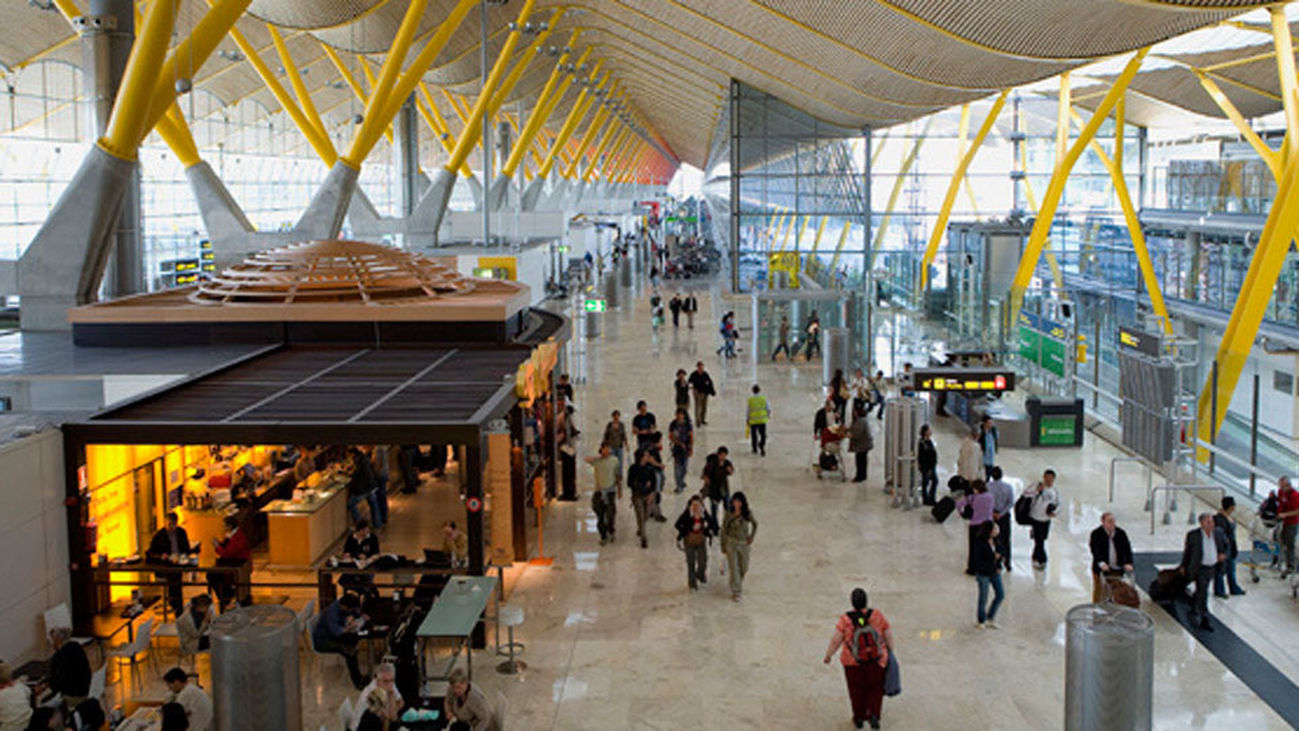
point(864, 640)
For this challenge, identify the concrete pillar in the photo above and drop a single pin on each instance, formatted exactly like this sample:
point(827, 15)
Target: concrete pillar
point(406, 156)
point(107, 33)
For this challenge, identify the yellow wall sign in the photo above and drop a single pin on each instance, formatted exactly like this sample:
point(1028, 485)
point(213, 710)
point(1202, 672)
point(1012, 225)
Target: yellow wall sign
point(509, 263)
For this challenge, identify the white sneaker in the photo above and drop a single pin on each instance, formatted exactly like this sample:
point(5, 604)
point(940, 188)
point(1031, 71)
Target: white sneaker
point(992, 625)
point(980, 625)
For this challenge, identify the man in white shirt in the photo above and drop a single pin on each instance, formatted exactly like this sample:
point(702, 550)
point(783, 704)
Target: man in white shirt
point(1042, 512)
point(1205, 548)
point(191, 697)
point(15, 701)
point(385, 677)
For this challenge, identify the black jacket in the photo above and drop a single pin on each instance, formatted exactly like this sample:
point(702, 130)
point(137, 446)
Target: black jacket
point(683, 392)
point(685, 524)
point(1100, 546)
point(819, 422)
point(983, 559)
point(160, 544)
point(926, 455)
point(702, 383)
point(1229, 530)
point(640, 479)
point(70, 671)
point(1193, 549)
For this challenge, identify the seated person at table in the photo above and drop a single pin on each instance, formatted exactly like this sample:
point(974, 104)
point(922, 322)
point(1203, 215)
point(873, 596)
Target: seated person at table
point(455, 544)
point(171, 541)
point(192, 625)
point(198, 707)
point(69, 668)
point(336, 630)
point(233, 550)
point(174, 718)
point(15, 701)
point(377, 713)
point(362, 548)
point(385, 681)
point(47, 719)
point(465, 702)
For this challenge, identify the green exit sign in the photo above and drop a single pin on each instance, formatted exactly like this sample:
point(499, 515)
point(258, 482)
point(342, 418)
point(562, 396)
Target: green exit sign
point(563, 248)
point(594, 305)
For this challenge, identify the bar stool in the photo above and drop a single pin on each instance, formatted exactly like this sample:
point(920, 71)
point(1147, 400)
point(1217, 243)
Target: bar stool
point(510, 616)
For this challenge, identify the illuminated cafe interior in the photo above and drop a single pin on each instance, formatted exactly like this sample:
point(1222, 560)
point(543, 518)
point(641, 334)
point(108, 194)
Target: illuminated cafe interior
point(378, 349)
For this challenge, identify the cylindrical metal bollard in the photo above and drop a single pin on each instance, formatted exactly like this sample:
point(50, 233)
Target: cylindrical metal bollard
point(611, 290)
point(1109, 668)
point(834, 352)
point(255, 683)
point(592, 325)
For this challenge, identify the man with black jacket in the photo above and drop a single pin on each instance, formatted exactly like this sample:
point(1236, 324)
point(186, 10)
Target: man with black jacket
point(1205, 548)
point(171, 540)
point(1111, 554)
point(702, 384)
point(69, 668)
point(927, 463)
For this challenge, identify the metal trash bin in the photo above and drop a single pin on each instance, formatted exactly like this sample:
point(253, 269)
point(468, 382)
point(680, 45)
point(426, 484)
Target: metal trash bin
point(1109, 668)
point(255, 685)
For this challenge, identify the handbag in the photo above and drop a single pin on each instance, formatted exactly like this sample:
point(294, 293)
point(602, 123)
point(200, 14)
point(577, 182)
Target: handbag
point(892, 676)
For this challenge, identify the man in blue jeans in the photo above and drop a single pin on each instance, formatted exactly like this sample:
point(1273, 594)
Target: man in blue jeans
point(360, 489)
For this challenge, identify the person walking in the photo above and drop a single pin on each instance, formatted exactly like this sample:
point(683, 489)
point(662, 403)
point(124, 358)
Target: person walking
point(681, 390)
point(969, 461)
point(608, 489)
point(641, 482)
point(702, 385)
point(860, 441)
point(877, 386)
point(986, 562)
point(859, 387)
point(717, 474)
point(838, 392)
point(813, 332)
point(1204, 550)
point(927, 463)
point(738, 529)
point(1225, 578)
point(643, 425)
point(1003, 506)
point(694, 527)
point(674, 305)
point(615, 435)
point(681, 439)
point(1288, 513)
point(655, 450)
point(1045, 501)
point(1111, 554)
point(759, 413)
point(782, 338)
point(690, 306)
point(987, 445)
point(863, 638)
point(976, 506)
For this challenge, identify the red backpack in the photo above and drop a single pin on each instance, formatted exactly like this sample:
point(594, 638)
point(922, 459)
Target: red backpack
point(866, 643)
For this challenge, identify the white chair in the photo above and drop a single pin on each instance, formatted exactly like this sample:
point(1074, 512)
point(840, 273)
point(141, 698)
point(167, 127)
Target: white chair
point(345, 712)
point(141, 644)
point(98, 681)
point(61, 616)
point(510, 616)
point(304, 618)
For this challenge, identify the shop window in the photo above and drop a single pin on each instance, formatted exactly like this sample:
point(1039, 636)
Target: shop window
point(1283, 382)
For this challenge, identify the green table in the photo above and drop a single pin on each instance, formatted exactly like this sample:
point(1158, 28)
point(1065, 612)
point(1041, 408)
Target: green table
point(455, 614)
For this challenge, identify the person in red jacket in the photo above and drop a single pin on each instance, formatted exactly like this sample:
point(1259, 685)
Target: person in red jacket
point(233, 550)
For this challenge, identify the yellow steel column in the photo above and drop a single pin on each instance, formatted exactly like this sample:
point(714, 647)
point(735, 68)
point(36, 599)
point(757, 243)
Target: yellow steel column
point(953, 187)
point(901, 178)
point(838, 249)
point(324, 149)
point(173, 131)
point(189, 55)
point(472, 133)
point(575, 116)
point(299, 88)
point(1285, 69)
point(601, 113)
point(1270, 157)
point(1051, 199)
point(1251, 304)
point(126, 125)
point(525, 60)
point(379, 93)
point(608, 136)
point(1064, 104)
point(540, 110)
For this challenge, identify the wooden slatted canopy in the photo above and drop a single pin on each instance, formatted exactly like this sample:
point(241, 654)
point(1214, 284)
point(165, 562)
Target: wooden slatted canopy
point(853, 64)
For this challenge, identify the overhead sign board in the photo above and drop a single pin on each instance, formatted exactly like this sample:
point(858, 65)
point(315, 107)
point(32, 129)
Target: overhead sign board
point(964, 379)
point(1140, 341)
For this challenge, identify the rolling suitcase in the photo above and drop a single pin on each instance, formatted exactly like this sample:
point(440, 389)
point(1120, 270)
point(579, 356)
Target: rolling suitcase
point(1169, 585)
point(943, 509)
point(1119, 591)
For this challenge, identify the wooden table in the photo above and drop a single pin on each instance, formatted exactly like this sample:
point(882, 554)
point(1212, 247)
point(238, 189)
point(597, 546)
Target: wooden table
point(455, 614)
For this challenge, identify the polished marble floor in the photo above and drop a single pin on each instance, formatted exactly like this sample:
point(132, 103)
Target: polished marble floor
point(616, 641)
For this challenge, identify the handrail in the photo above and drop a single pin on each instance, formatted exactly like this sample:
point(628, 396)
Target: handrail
point(1179, 488)
point(1099, 391)
point(1223, 454)
point(1149, 473)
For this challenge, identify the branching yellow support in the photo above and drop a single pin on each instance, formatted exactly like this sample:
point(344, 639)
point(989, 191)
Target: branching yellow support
point(1268, 155)
point(305, 103)
point(126, 125)
point(323, 148)
point(173, 131)
point(1051, 199)
point(541, 110)
point(945, 212)
point(597, 122)
point(901, 178)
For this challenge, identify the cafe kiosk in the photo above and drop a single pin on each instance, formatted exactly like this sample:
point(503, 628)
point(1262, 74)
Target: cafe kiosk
point(352, 344)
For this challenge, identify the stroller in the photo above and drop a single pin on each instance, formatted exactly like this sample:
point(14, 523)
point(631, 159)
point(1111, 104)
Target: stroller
point(828, 453)
point(1264, 539)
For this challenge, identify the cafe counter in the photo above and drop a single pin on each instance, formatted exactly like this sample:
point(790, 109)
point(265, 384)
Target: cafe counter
point(300, 533)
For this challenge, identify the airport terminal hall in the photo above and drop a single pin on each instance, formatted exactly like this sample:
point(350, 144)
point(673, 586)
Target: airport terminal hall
point(486, 365)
